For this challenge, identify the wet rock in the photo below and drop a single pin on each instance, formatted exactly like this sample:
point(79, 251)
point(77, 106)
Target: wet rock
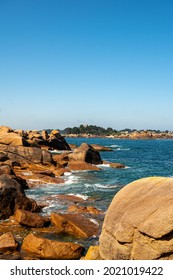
point(50, 249)
point(74, 224)
point(29, 219)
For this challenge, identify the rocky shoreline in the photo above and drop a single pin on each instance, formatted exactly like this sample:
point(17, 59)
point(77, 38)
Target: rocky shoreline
point(137, 225)
point(27, 161)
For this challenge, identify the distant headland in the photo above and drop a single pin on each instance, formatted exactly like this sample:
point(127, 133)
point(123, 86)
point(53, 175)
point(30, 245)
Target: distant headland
point(97, 131)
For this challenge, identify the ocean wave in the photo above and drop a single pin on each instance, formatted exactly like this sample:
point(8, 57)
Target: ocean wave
point(101, 186)
point(103, 165)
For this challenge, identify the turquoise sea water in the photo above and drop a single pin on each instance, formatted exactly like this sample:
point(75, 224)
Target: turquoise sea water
point(142, 158)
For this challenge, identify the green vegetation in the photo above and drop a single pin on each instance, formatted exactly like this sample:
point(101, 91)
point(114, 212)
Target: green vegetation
point(90, 129)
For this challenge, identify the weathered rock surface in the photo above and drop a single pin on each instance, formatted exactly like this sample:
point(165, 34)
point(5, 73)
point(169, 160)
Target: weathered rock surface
point(85, 153)
point(23, 154)
point(139, 222)
point(29, 219)
point(6, 169)
point(5, 129)
point(74, 224)
point(49, 249)
point(61, 159)
point(12, 197)
point(7, 242)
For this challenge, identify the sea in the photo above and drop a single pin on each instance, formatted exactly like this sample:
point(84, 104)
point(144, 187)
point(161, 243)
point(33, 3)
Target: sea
point(142, 158)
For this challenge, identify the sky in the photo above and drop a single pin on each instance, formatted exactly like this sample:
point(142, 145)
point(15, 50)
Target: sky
point(103, 62)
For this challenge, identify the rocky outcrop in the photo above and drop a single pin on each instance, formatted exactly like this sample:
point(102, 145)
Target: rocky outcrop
point(57, 141)
point(61, 159)
point(27, 154)
point(85, 153)
point(50, 249)
point(12, 197)
point(5, 129)
point(74, 224)
point(139, 222)
point(114, 164)
point(13, 139)
point(100, 148)
point(81, 165)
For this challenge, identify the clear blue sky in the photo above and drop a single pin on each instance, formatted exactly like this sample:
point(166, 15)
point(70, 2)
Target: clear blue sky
point(102, 62)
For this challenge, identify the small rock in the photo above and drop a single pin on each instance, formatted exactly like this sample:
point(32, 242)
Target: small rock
point(7, 242)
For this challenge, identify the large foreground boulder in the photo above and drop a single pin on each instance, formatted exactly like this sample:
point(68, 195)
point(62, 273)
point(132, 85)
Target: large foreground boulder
point(139, 222)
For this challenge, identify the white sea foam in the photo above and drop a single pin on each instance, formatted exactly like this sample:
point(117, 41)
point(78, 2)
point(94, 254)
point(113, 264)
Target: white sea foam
point(101, 186)
point(67, 173)
point(71, 179)
point(59, 151)
point(84, 197)
point(114, 146)
point(123, 149)
point(103, 165)
point(94, 222)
